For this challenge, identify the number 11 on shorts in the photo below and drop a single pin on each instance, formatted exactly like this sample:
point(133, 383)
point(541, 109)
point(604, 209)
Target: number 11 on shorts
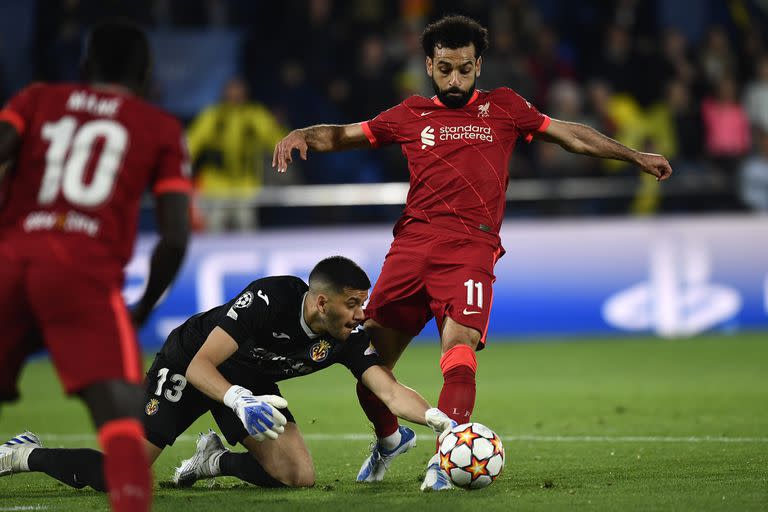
point(471, 287)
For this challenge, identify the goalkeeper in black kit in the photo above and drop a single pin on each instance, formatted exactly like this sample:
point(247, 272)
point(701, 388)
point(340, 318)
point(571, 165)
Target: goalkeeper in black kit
point(228, 361)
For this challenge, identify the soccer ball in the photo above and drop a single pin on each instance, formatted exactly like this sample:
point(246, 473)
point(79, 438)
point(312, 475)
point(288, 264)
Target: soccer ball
point(472, 455)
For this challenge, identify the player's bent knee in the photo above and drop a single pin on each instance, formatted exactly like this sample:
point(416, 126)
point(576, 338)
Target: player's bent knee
point(293, 474)
point(302, 477)
point(455, 334)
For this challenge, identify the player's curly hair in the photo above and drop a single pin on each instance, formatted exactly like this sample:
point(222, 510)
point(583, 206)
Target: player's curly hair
point(338, 272)
point(454, 31)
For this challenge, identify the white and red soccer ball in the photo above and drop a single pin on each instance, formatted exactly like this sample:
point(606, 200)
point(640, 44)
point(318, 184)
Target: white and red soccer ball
point(472, 455)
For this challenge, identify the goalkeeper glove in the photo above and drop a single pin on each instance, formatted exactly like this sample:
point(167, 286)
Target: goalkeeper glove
point(259, 414)
point(438, 421)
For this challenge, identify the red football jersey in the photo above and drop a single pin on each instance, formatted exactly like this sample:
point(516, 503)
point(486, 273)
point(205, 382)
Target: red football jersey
point(458, 158)
point(86, 157)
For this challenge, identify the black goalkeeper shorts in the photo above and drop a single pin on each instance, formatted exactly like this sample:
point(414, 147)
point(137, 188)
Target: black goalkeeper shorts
point(171, 405)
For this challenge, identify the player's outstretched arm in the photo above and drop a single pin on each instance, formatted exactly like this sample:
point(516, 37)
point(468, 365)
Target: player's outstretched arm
point(321, 137)
point(579, 138)
point(403, 401)
point(258, 414)
point(172, 212)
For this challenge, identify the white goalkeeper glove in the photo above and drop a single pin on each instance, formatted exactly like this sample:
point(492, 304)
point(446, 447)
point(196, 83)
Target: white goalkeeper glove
point(438, 421)
point(259, 414)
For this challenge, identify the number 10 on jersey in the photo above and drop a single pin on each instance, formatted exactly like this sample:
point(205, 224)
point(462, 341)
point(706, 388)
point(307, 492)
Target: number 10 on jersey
point(68, 156)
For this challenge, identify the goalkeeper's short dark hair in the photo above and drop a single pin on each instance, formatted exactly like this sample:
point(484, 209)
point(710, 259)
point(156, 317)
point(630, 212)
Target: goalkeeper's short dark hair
point(337, 273)
point(454, 31)
point(117, 51)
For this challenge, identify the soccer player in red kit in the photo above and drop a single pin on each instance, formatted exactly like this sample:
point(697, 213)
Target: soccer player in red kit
point(458, 146)
point(82, 155)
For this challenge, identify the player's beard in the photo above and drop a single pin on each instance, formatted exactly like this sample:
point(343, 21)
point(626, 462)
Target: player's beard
point(451, 100)
point(335, 325)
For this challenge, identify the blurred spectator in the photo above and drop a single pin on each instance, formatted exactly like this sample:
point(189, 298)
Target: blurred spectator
point(60, 32)
point(546, 65)
point(676, 61)
point(230, 144)
point(597, 107)
point(296, 102)
point(756, 96)
point(686, 126)
point(717, 59)
point(753, 183)
point(505, 66)
point(752, 48)
point(320, 38)
point(615, 63)
point(648, 129)
point(372, 86)
point(566, 102)
point(412, 79)
point(726, 125)
point(638, 17)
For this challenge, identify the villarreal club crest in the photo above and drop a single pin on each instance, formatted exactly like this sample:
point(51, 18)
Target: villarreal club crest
point(152, 406)
point(319, 351)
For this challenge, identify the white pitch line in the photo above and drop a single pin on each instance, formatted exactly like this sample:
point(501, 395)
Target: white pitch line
point(510, 437)
point(636, 439)
point(25, 507)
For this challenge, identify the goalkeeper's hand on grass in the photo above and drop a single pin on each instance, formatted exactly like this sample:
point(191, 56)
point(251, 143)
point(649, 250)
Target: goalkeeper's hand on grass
point(259, 414)
point(438, 421)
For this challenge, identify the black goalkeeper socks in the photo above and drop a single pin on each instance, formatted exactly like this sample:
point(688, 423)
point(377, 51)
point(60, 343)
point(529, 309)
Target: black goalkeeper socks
point(80, 467)
point(76, 467)
point(245, 467)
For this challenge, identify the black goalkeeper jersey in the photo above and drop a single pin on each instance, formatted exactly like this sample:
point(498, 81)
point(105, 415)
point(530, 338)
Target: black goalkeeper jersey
point(274, 342)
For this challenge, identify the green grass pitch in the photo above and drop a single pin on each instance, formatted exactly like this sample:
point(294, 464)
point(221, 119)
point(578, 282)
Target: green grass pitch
point(629, 424)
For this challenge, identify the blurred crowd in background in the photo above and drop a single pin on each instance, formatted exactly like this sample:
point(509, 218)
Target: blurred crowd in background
point(685, 78)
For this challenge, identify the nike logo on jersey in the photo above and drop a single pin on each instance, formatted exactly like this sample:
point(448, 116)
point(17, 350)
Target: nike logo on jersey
point(426, 113)
point(263, 296)
point(280, 335)
point(470, 312)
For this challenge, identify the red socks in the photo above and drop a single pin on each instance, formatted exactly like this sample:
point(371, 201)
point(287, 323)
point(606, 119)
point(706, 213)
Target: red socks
point(457, 399)
point(126, 467)
point(384, 422)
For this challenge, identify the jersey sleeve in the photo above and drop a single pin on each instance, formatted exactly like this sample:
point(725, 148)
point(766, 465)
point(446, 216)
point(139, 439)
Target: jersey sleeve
point(173, 171)
point(385, 128)
point(526, 118)
point(19, 110)
point(247, 314)
point(360, 354)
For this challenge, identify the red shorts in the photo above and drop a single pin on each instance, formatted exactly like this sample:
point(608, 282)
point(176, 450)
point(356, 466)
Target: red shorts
point(74, 305)
point(428, 274)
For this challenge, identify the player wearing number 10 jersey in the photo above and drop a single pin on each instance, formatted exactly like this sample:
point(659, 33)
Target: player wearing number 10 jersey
point(458, 146)
point(78, 159)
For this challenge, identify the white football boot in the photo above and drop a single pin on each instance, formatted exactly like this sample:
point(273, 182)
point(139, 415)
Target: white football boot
point(378, 461)
point(204, 463)
point(14, 454)
point(436, 479)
